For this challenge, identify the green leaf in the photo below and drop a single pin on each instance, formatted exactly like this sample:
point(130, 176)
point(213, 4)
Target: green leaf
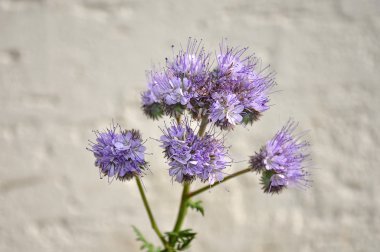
point(197, 206)
point(149, 247)
point(181, 239)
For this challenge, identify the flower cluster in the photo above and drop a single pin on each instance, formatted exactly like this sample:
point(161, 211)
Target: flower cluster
point(234, 91)
point(193, 156)
point(119, 153)
point(228, 90)
point(218, 94)
point(281, 161)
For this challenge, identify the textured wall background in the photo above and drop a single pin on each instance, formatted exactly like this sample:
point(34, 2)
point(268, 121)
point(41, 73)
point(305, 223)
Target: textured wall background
point(67, 67)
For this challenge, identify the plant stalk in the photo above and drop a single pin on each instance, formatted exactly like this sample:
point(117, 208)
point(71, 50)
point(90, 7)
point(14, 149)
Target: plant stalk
point(150, 214)
point(178, 119)
point(202, 189)
point(202, 127)
point(182, 208)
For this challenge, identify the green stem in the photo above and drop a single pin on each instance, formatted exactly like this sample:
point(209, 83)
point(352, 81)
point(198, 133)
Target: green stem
point(178, 119)
point(202, 189)
point(150, 214)
point(182, 207)
point(182, 211)
point(202, 127)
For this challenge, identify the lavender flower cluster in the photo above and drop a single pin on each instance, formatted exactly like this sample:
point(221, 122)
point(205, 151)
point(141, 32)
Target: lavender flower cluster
point(205, 97)
point(192, 155)
point(282, 161)
point(233, 92)
point(119, 153)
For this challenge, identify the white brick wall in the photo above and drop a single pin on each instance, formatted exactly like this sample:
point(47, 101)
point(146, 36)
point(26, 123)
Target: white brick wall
point(67, 67)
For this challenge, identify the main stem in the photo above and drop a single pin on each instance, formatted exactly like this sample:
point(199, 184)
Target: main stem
point(202, 127)
point(202, 189)
point(150, 214)
point(182, 208)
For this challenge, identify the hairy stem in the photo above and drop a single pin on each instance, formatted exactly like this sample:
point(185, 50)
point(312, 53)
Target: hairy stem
point(202, 189)
point(202, 127)
point(150, 214)
point(182, 209)
point(178, 119)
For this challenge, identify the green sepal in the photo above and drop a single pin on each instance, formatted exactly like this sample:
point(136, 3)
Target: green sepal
point(154, 111)
point(267, 184)
point(250, 116)
point(175, 110)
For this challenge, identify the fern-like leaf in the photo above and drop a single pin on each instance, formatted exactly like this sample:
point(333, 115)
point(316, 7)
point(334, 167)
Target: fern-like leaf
point(147, 246)
point(181, 239)
point(197, 206)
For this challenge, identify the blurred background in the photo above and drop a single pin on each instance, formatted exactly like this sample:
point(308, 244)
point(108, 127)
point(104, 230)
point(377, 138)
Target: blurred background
point(68, 67)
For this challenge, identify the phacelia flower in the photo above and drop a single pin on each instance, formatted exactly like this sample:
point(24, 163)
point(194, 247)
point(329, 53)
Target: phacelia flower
point(241, 76)
point(212, 158)
point(192, 63)
point(282, 161)
point(119, 153)
point(232, 92)
point(232, 64)
point(191, 156)
point(150, 106)
point(168, 89)
point(176, 90)
point(226, 110)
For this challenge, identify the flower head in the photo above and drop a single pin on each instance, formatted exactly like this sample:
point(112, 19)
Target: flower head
point(168, 89)
point(232, 92)
point(232, 63)
point(191, 156)
point(226, 110)
point(239, 76)
point(119, 153)
point(281, 160)
point(191, 63)
point(212, 158)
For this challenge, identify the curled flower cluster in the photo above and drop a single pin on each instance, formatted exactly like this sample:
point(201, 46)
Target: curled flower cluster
point(281, 161)
point(231, 89)
point(234, 91)
point(191, 156)
point(119, 153)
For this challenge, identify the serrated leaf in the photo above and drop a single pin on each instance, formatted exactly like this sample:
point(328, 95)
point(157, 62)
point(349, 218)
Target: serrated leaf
point(149, 247)
point(181, 239)
point(197, 206)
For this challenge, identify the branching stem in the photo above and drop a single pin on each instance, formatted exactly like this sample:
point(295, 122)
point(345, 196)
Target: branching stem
point(202, 189)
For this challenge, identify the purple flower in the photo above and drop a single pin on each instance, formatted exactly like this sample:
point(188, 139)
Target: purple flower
point(234, 92)
point(226, 110)
point(167, 89)
point(176, 91)
point(119, 154)
point(192, 63)
point(148, 98)
point(232, 64)
point(212, 158)
point(281, 161)
point(191, 156)
point(254, 94)
point(240, 75)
